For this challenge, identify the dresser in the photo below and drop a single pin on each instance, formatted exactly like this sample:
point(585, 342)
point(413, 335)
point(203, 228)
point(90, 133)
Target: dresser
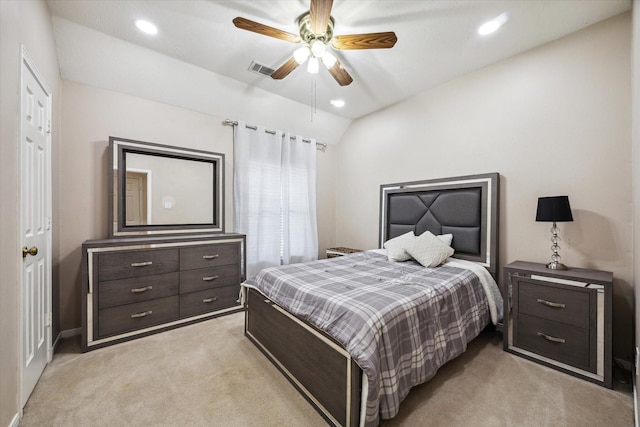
point(134, 287)
point(560, 318)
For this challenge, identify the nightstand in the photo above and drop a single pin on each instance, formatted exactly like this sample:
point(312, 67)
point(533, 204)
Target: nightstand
point(340, 251)
point(560, 318)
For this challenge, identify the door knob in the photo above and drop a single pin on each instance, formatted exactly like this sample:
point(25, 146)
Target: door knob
point(33, 251)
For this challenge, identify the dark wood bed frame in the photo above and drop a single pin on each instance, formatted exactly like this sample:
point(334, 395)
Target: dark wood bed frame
point(320, 368)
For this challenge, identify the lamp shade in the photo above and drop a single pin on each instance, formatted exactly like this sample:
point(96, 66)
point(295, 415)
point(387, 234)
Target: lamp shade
point(554, 209)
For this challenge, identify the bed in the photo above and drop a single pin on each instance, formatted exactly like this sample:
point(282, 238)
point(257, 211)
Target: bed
point(353, 334)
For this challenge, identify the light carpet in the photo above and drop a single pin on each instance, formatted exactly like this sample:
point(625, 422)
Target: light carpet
point(209, 374)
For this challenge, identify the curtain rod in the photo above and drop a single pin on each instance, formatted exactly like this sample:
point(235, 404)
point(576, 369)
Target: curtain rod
point(229, 122)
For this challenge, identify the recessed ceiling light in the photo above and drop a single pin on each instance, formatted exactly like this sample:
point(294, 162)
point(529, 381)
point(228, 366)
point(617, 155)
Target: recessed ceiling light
point(337, 103)
point(493, 25)
point(146, 27)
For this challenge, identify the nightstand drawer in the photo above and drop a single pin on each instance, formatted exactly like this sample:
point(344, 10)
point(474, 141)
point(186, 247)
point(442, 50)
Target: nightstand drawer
point(564, 343)
point(561, 304)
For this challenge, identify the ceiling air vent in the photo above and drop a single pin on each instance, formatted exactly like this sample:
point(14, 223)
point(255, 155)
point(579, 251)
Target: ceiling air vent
point(260, 69)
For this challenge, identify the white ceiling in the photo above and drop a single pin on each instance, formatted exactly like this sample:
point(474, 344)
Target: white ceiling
point(437, 40)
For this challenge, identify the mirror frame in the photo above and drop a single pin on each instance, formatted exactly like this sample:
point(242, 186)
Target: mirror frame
point(118, 147)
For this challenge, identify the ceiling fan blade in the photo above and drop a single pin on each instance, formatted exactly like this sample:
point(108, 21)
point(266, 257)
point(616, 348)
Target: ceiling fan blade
point(285, 69)
point(320, 13)
point(256, 27)
point(365, 41)
point(340, 74)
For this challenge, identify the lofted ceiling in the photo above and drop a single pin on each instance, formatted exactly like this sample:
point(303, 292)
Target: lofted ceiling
point(437, 40)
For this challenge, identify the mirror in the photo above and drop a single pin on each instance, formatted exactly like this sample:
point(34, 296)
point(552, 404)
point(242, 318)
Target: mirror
point(159, 189)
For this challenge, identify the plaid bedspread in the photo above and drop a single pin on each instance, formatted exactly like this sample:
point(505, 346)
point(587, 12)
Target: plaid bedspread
point(399, 321)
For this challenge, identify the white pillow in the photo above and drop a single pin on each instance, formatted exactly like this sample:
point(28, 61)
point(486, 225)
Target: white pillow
point(428, 250)
point(394, 247)
point(446, 238)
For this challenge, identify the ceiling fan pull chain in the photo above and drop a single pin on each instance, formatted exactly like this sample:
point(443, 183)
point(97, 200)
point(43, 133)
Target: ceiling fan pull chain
point(315, 96)
point(311, 98)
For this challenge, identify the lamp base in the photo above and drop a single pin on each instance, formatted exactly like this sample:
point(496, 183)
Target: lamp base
point(556, 266)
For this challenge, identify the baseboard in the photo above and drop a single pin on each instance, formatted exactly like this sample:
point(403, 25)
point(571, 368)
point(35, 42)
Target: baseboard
point(635, 398)
point(67, 333)
point(15, 421)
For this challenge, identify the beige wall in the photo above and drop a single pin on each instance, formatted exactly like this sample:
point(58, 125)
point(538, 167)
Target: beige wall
point(553, 121)
point(89, 117)
point(326, 198)
point(27, 23)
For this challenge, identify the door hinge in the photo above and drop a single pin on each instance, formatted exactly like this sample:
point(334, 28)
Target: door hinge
point(48, 223)
point(49, 319)
point(48, 126)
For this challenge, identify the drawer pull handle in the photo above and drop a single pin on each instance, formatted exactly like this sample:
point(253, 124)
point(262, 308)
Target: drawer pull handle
point(550, 338)
point(141, 264)
point(551, 304)
point(208, 300)
point(141, 290)
point(210, 278)
point(210, 256)
point(143, 314)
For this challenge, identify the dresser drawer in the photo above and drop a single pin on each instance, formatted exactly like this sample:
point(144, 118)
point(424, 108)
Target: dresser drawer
point(140, 315)
point(558, 341)
point(207, 278)
point(120, 265)
point(209, 255)
point(210, 300)
point(561, 304)
point(137, 289)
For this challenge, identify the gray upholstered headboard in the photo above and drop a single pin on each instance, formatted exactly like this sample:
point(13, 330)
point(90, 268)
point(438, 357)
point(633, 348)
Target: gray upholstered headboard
point(465, 206)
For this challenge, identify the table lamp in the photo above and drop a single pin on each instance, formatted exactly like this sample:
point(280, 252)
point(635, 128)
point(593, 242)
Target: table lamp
point(554, 209)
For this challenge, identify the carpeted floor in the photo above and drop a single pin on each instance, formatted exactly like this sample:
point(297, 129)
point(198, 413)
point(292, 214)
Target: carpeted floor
point(209, 374)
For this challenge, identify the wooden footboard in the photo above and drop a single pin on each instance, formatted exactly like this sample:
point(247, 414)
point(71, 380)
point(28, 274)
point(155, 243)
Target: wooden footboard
point(323, 372)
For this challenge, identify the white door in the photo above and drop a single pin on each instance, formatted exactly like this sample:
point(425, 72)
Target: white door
point(35, 229)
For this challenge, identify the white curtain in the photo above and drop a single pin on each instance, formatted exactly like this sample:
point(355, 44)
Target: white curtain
point(274, 197)
point(256, 195)
point(299, 219)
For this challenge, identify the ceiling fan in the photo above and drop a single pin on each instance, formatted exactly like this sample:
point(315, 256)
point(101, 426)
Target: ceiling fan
point(316, 35)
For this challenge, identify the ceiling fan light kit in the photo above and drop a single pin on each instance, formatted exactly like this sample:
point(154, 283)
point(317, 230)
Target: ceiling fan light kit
point(301, 54)
point(328, 59)
point(313, 67)
point(317, 48)
point(316, 32)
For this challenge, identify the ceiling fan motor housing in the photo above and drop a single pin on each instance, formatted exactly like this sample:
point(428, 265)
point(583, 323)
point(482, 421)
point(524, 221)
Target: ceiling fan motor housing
point(306, 33)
